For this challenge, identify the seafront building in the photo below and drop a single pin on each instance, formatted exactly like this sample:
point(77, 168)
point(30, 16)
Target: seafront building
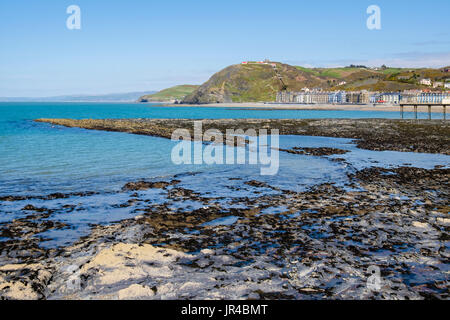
point(317, 96)
point(323, 97)
point(390, 97)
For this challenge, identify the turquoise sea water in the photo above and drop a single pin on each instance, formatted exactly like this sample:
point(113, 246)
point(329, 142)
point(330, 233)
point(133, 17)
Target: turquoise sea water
point(37, 157)
point(40, 159)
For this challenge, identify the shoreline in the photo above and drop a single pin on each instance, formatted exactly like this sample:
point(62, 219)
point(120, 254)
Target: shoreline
point(321, 234)
point(266, 242)
point(258, 106)
point(322, 107)
point(426, 136)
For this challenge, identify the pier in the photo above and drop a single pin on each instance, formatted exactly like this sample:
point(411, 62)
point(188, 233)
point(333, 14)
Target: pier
point(443, 104)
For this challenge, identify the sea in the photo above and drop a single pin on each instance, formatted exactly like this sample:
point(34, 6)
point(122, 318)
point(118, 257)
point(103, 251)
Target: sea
point(38, 159)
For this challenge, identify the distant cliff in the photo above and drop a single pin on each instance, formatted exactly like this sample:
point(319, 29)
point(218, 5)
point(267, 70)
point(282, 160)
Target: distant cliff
point(170, 94)
point(113, 97)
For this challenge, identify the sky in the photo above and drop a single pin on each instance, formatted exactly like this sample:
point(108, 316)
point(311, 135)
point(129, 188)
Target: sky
point(140, 45)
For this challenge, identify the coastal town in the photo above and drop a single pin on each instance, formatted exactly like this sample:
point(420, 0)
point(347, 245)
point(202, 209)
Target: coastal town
point(320, 96)
point(437, 92)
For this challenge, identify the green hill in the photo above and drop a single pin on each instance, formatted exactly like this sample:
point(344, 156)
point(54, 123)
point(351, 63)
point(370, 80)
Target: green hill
point(170, 94)
point(260, 82)
point(382, 79)
point(251, 83)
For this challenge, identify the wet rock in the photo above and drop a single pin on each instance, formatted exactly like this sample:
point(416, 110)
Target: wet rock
point(54, 196)
point(395, 220)
point(418, 224)
point(315, 151)
point(143, 185)
point(135, 292)
point(430, 136)
point(30, 207)
point(13, 198)
point(24, 281)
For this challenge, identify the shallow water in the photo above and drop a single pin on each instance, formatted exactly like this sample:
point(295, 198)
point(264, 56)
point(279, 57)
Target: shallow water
point(225, 221)
point(39, 159)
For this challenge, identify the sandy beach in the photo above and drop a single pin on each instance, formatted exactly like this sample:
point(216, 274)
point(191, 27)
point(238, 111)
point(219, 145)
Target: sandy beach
point(281, 106)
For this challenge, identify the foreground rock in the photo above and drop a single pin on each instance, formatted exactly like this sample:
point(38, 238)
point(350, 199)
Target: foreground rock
point(315, 151)
point(372, 134)
point(318, 244)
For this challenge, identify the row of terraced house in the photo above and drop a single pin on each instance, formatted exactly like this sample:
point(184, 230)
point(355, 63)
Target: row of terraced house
point(307, 96)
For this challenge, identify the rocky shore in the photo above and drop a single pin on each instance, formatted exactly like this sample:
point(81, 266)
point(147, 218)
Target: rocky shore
point(267, 243)
point(317, 244)
point(372, 134)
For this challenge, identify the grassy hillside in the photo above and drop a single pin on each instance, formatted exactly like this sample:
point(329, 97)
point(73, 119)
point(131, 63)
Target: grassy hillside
point(384, 79)
point(251, 83)
point(260, 82)
point(170, 94)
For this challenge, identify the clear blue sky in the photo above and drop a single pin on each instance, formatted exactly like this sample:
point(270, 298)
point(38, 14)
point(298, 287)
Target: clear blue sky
point(139, 45)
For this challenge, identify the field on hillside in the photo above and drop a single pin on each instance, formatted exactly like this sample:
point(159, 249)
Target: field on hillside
point(173, 93)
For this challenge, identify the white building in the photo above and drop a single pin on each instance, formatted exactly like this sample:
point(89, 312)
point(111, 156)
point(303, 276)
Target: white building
point(337, 97)
point(391, 97)
point(438, 84)
point(432, 97)
point(425, 82)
